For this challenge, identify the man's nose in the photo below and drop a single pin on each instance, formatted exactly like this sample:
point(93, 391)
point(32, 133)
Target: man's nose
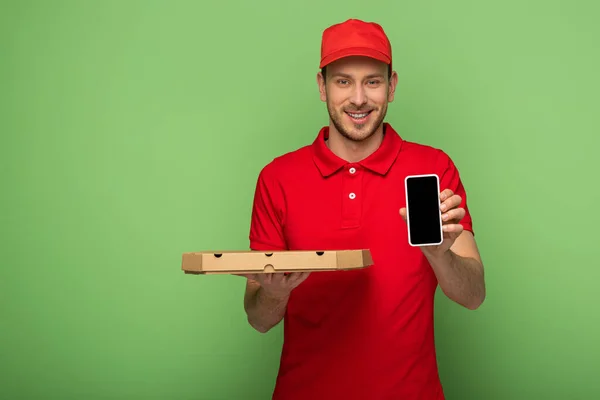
point(358, 96)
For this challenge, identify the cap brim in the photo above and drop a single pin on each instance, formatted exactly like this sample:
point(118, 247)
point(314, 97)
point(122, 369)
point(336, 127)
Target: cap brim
point(355, 51)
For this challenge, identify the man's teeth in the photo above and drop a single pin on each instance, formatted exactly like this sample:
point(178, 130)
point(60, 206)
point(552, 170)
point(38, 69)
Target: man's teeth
point(358, 116)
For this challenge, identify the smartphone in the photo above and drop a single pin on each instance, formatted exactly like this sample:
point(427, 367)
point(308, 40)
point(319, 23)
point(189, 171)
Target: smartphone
point(423, 215)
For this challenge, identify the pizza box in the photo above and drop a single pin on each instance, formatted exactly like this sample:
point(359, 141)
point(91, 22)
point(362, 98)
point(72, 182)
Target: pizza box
point(252, 262)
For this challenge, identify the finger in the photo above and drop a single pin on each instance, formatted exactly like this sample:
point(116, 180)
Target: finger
point(453, 228)
point(454, 215)
point(305, 276)
point(273, 277)
point(278, 278)
point(446, 194)
point(266, 278)
point(451, 202)
point(297, 278)
point(289, 277)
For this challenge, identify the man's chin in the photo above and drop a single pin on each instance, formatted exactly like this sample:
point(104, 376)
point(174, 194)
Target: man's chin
point(358, 133)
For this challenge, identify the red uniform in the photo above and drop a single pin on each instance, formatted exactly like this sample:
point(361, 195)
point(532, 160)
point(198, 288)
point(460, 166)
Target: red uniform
point(363, 334)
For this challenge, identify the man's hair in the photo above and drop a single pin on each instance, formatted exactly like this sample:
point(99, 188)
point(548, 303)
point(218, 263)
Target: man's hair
point(324, 72)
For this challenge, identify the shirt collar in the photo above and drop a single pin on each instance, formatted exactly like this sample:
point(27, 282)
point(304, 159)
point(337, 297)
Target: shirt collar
point(380, 161)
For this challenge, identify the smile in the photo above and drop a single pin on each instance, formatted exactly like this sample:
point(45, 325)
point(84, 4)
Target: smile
point(359, 117)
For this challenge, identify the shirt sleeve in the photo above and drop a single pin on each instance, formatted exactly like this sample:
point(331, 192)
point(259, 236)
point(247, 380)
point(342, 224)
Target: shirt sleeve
point(450, 179)
point(266, 225)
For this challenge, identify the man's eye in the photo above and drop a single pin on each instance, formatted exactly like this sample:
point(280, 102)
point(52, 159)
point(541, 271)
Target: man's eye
point(343, 81)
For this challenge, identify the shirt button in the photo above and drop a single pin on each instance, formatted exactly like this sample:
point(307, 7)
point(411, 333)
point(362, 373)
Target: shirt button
point(352, 170)
point(352, 195)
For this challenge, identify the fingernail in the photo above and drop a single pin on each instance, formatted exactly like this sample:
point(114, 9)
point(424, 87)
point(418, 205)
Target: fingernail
point(445, 216)
point(443, 207)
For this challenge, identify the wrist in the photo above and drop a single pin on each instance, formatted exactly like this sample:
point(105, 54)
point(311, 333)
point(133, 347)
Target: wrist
point(442, 259)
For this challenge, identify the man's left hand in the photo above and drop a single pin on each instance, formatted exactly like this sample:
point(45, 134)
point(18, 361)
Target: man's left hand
point(452, 214)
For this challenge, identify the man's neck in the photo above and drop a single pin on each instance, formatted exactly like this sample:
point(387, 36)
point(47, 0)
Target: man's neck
point(353, 151)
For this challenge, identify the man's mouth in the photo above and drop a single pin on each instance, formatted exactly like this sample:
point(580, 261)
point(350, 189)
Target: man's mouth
point(358, 117)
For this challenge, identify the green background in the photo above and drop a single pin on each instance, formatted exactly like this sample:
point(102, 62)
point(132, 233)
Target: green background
point(133, 131)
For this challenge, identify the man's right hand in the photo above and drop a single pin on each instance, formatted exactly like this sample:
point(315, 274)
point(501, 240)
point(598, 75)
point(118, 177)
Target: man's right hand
point(278, 284)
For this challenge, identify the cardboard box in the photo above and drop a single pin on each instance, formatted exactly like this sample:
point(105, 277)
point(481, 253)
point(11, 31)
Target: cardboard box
point(252, 262)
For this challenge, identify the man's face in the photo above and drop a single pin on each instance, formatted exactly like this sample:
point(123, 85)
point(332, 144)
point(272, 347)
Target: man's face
point(357, 91)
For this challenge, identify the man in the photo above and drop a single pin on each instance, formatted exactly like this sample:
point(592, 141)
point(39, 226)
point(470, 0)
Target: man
point(363, 334)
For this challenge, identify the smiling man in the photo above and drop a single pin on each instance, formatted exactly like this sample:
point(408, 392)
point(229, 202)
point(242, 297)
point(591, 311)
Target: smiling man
point(361, 334)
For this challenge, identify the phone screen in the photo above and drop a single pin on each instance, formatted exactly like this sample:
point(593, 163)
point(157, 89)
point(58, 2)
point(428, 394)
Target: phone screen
point(423, 210)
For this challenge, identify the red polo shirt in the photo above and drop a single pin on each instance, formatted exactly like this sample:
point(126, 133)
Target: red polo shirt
point(363, 334)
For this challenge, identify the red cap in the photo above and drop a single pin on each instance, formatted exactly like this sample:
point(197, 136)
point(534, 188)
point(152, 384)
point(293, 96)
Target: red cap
point(355, 38)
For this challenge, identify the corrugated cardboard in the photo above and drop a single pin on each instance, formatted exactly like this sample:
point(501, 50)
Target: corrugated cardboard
point(248, 262)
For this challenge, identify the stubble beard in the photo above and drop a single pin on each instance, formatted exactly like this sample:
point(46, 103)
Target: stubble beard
point(356, 132)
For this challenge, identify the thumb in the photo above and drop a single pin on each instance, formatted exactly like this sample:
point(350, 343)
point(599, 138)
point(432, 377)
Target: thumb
point(403, 213)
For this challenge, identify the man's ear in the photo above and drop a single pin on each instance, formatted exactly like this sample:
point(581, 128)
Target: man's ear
point(392, 86)
point(321, 83)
